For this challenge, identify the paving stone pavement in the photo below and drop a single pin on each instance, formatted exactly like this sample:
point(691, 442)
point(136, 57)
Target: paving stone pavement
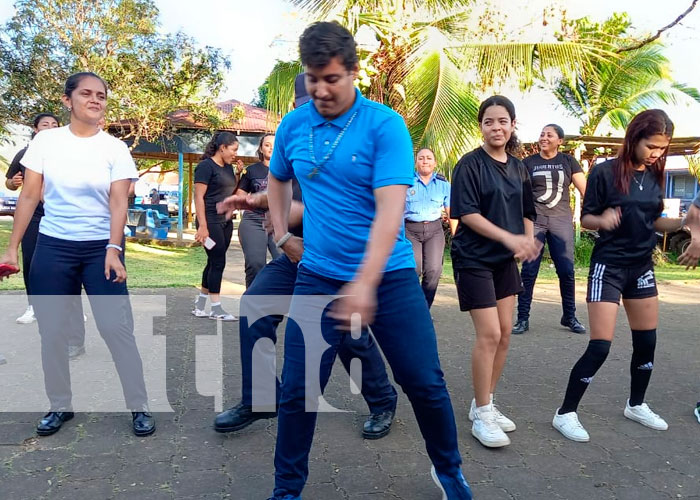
point(95, 456)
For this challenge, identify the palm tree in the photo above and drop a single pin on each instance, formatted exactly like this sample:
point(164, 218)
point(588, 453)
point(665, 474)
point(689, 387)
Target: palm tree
point(611, 92)
point(427, 62)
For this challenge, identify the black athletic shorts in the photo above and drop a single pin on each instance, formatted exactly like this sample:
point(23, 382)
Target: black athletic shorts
point(608, 283)
point(481, 288)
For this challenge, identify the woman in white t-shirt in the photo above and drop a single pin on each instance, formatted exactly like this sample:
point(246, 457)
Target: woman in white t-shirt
point(85, 175)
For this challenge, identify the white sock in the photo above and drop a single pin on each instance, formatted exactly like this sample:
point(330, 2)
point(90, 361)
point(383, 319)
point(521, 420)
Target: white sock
point(214, 304)
point(203, 295)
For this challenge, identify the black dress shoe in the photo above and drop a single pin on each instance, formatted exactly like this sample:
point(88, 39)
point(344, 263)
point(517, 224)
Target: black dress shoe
point(378, 425)
point(520, 327)
point(52, 422)
point(574, 325)
point(143, 423)
point(239, 417)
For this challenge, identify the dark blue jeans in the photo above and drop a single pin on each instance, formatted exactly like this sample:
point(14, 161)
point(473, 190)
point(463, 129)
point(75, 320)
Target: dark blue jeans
point(558, 232)
point(59, 269)
point(403, 329)
point(277, 278)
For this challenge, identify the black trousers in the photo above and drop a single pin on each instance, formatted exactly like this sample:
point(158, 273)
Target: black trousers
point(213, 273)
point(428, 241)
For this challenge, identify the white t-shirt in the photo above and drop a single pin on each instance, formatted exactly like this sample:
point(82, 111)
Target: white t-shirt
point(78, 172)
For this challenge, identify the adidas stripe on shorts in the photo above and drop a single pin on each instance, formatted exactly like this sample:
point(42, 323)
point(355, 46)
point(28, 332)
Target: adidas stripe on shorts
point(609, 283)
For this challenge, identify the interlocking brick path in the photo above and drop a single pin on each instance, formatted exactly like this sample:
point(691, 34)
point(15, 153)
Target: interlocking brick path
point(95, 456)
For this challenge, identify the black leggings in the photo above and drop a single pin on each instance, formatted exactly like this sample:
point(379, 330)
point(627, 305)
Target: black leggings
point(221, 233)
point(28, 246)
point(255, 242)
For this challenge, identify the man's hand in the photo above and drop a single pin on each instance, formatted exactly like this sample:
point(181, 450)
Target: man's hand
point(254, 201)
point(16, 181)
point(293, 248)
point(358, 299)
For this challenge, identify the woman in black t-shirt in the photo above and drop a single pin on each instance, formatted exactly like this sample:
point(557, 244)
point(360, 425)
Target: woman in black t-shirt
point(214, 180)
point(623, 202)
point(14, 180)
point(492, 199)
point(254, 239)
point(551, 173)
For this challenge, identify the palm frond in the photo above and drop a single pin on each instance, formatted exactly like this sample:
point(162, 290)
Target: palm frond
point(322, 9)
point(280, 94)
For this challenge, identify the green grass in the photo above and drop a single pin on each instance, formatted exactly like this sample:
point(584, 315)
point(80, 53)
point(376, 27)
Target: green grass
point(148, 266)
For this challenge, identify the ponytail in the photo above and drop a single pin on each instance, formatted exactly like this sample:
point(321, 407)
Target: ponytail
point(219, 139)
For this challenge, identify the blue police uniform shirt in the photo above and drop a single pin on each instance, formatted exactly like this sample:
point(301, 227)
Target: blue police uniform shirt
point(375, 151)
point(425, 202)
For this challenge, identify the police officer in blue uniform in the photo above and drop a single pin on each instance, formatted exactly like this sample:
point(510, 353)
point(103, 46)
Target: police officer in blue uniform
point(425, 201)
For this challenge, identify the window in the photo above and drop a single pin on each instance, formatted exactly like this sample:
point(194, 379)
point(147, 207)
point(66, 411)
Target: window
point(683, 186)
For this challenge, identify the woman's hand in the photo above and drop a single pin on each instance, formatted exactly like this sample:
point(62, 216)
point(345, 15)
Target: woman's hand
point(524, 248)
point(113, 263)
point(9, 258)
point(610, 219)
point(201, 234)
point(16, 181)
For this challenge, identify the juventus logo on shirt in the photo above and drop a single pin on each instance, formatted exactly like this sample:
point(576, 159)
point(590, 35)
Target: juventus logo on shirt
point(550, 196)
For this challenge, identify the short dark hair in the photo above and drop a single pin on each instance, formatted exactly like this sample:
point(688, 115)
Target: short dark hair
point(559, 131)
point(75, 79)
point(38, 118)
point(322, 41)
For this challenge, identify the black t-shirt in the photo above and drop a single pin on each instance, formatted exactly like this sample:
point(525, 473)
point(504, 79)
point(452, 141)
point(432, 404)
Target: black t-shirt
point(502, 193)
point(632, 242)
point(551, 179)
point(220, 182)
point(17, 167)
point(253, 181)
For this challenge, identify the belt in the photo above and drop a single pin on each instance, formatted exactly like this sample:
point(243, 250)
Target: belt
point(420, 221)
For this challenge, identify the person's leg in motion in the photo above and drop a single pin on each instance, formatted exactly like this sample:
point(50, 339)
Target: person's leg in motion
point(221, 234)
point(28, 246)
point(560, 240)
point(414, 234)
point(602, 317)
point(275, 279)
point(111, 308)
point(433, 254)
point(643, 317)
point(528, 273)
point(416, 368)
point(378, 392)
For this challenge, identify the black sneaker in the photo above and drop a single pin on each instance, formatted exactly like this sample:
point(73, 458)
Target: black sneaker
point(574, 325)
point(239, 417)
point(520, 327)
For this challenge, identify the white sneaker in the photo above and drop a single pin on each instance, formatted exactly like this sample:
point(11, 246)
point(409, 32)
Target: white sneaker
point(643, 414)
point(486, 429)
point(697, 413)
point(222, 316)
point(569, 425)
point(199, 313)
point(506, 424)
point(27, 317)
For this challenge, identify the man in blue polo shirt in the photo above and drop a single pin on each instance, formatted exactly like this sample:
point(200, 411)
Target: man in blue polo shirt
point(353, 159)
point(425, 200)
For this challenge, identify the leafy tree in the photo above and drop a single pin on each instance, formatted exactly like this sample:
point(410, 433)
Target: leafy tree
point(431, 59)
point(149, 75)
point(612, 91)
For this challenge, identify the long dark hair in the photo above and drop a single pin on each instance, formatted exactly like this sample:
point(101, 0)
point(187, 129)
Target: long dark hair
point(261, 157)
point(646, 124)
point(219, 139)
point(513, 144)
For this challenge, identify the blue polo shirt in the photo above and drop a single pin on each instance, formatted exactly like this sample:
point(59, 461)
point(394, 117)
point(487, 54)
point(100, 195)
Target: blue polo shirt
point(339, 204)
point(424, 202)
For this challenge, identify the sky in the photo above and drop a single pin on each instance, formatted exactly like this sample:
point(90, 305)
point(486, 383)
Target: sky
point(256, 33)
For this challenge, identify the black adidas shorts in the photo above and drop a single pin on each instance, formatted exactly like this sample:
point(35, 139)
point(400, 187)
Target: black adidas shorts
point(608, 283)
point(481, 288)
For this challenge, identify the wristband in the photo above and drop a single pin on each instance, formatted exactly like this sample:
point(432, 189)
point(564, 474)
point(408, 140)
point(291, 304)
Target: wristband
point(284, 239)
point(116, 247)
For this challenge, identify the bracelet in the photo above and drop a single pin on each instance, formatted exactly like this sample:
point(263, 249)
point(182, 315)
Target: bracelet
point(116, 247)
point(284, 239)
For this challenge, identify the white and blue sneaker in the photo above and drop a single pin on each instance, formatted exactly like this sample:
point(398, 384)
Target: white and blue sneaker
point(453, 488)
point(697, 412)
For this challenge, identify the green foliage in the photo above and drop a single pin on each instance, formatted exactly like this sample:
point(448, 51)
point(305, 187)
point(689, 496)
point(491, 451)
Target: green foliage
point(150, 75)
point(613, 90)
